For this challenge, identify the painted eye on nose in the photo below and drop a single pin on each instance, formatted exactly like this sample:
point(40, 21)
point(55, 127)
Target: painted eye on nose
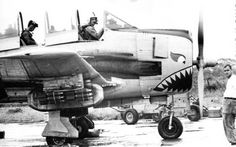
point(178, 57)
point(181, 59)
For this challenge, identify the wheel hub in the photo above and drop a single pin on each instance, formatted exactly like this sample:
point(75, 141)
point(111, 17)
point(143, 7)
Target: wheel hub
point(171, 130)
point(59, 140)
point(79, 128)
point(129, 117)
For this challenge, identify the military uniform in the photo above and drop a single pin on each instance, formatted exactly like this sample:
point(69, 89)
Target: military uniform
point(88, 31)
point(26, 36)
point(91, 33)
point(229, 109)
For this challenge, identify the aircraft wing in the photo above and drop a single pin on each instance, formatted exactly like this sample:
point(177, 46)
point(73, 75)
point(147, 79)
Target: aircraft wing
point(46, 64)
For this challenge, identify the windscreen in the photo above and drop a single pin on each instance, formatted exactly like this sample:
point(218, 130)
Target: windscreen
point(115, 23)
point(61, 27)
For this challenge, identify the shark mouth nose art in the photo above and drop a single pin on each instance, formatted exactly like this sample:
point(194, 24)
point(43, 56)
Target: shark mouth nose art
point(180, 81)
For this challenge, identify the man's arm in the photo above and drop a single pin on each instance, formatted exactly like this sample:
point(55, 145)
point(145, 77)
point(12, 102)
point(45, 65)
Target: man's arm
point(93, 32)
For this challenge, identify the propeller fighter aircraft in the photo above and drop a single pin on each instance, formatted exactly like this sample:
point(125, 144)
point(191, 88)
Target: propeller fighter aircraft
point(67, 75)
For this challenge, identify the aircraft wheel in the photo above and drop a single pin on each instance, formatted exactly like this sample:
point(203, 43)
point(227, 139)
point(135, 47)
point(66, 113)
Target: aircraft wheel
point(174, 132)
point(58, 141)
point(90, 122)
point(194, 113)
point(82, 127)
point(131, 116)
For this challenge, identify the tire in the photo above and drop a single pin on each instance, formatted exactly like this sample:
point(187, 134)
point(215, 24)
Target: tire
point(195, 113)
point(131, 116)
point(89, 122)
point(82, 127)
point(174, 132)
point(58, 141)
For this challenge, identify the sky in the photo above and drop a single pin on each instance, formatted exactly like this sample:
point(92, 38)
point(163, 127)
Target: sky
point(219, 17)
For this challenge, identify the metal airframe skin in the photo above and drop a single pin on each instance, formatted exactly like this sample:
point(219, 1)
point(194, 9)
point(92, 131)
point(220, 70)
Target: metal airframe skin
point(138, 61)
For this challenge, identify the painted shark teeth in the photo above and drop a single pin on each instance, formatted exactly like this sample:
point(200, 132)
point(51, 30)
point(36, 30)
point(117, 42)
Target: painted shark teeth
point(180, 81)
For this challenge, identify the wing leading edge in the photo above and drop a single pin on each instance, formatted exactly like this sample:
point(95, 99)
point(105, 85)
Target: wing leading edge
point(60, 74)
point(48, 65)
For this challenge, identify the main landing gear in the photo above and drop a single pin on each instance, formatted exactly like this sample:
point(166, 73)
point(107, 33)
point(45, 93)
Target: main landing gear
point(63, 127)
point(67, 104)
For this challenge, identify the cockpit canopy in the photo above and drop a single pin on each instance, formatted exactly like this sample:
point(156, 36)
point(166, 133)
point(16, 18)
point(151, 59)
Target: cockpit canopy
point(9, 31)
point(66, 27)
point(59, 28)
point(114, 23)
point(8, 27)
point(60, 23)
point(70, 21)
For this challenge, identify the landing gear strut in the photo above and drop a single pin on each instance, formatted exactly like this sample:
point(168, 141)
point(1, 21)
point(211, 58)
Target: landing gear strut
point(170, 127)
point(64, 126)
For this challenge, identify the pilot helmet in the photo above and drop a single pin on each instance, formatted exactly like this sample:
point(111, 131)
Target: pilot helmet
point(31, 22)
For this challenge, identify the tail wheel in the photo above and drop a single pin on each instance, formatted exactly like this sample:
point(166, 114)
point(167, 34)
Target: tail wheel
point(194, 113)
point(175, 131)
point(131, 116)
point(58, 141)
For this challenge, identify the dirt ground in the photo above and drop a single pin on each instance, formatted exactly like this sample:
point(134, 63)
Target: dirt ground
point(207, 132)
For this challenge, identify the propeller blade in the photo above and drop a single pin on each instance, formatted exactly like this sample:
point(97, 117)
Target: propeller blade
point(200, 37)
point(200, 64)
point(201, 89)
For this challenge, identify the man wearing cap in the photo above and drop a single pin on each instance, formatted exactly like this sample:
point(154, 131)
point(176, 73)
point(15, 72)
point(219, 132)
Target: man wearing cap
point(26, 35)
point(229, 104)
point(90, 32)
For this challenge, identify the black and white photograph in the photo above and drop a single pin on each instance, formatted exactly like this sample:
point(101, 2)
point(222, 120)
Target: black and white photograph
point(117, 73)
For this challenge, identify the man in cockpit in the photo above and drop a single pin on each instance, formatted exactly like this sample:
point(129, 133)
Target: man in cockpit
point(27, 35)
point(89, 31)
